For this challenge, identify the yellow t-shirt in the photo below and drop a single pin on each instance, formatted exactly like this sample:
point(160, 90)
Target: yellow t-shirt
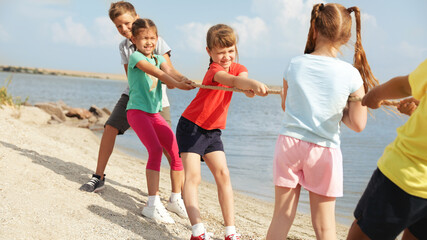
point(404, 161)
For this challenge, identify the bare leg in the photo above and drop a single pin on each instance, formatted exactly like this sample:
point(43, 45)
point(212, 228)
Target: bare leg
point(106, 148)
point(323, 216)
point(191, 162)
point(153, 179)
point(218, 165)
point(355, 233)
point(285, 208)
point(177, 177)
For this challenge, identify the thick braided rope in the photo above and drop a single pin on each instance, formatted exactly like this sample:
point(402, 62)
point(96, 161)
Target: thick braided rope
point(271, 91)
point(383, 103)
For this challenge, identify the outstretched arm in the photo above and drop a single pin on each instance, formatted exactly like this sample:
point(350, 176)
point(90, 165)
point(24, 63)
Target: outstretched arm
point(163, 76)
point(408, 105)
point(284, 94)
point(355, 115)
point(171, 71)
point(168, 60)
point(241, 82)
point(397, 87)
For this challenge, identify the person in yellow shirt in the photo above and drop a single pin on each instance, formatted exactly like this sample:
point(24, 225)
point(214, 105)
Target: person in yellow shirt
point(395, 199)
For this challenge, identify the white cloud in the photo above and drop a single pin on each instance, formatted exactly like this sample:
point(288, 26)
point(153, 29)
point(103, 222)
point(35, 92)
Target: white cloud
point(100, 33)
point(4, 35)
point(368, 20)
point(71, 33)
point(412, 51)
point(253, 34)
point(288, 20)
point(49, 2)
point(105, 32)
point(43, 9)
point(194, 36)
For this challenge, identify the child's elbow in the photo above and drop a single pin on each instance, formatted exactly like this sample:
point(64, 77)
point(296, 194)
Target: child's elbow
point(359, 127)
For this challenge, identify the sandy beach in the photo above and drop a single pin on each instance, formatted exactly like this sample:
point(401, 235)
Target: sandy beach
point(42, 166)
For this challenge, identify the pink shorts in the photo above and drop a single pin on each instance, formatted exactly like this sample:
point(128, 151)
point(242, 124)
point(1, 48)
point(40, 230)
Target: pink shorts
point(318, 169)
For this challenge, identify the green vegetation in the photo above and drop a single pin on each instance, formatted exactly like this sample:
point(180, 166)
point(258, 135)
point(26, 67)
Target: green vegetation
point(6, 98)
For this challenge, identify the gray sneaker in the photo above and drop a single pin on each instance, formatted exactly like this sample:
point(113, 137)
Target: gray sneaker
point(95, 184)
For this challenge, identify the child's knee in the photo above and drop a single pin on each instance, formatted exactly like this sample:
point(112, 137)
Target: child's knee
point(223, 175)
point(192, 179)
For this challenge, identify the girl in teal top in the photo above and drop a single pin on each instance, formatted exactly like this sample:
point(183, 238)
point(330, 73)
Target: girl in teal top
point(145, 71)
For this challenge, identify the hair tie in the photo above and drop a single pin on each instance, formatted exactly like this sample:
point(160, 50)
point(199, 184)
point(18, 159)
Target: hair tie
point(350, 10)
point(321, 7)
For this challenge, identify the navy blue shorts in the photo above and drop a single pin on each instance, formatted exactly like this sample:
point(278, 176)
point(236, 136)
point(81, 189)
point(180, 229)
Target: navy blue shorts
point(385, 210)
point(194, 139)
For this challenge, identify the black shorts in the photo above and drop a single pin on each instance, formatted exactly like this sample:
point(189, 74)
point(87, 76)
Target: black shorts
point(385, 210)
point(118, 118)
point(194, 139)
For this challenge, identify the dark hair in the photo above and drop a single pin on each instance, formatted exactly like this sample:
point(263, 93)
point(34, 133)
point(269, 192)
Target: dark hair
point(333, 21)
point(143, 23)
point(119, 8)
point(221, 35)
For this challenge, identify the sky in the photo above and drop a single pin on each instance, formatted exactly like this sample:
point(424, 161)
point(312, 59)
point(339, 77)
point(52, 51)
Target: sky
point(78, 35)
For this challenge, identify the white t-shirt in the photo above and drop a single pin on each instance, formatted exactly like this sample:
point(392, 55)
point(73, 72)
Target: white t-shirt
point(126, 48)
point(318, 90)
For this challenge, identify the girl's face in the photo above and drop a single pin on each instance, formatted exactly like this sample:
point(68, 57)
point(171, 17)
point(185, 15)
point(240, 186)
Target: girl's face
point(124, 24)
point(224, 56)
point(145, 41)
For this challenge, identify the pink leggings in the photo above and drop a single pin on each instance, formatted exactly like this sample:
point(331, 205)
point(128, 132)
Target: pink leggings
point(155, 133)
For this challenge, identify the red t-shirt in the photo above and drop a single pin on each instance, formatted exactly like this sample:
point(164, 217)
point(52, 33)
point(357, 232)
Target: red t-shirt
point(209, 108)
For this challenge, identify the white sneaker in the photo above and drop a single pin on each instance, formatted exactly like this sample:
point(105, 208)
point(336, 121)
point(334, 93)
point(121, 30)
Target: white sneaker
point(177, 207)
point(158, 213)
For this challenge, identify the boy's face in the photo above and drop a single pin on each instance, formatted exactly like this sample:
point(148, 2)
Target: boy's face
point(145, 41)
point(124, 24)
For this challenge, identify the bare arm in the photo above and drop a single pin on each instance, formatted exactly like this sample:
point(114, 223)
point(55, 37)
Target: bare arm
point(163, 76)
point(241, 82)
point(126, 69)
point(248, 93)
point(171, 71)
point(284, 94)
point(168, 60)
point(355, 114)
point(408, 105)
point(397, 87)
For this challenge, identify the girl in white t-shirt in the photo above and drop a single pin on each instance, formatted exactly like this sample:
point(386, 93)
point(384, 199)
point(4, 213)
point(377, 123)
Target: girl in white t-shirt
point(316, 88)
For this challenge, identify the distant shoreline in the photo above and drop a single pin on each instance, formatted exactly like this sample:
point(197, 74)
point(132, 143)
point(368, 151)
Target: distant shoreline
point(56, 72)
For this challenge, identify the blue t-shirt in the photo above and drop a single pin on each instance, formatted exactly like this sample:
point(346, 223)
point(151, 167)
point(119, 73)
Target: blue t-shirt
point(145, 91)
point(318, 90)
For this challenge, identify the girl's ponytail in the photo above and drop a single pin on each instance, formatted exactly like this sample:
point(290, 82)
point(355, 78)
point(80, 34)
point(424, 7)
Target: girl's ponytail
point(311, 42)
point(360, 62)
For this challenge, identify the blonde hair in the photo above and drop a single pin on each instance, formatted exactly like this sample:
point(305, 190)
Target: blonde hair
point(119, 8)
point(221, 36)
point(333, 21)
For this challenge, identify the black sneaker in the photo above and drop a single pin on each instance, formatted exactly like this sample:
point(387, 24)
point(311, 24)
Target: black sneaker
point(95, 184)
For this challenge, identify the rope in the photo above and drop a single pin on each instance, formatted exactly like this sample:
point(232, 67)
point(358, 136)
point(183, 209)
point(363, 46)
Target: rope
point(384, 103)
point(270, 91)
point(275, 91)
